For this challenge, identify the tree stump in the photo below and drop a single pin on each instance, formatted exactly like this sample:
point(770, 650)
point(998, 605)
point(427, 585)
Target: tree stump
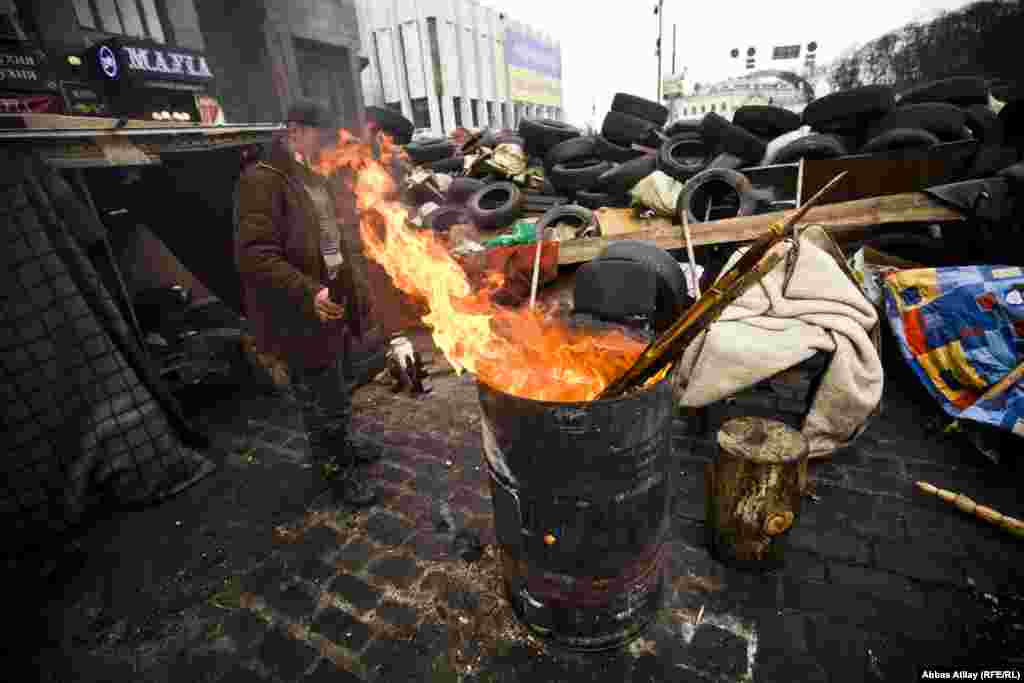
point(754, 490)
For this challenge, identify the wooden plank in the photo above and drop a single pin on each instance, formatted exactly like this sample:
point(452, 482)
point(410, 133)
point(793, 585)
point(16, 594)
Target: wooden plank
point(844, 221)
point(625, 221)
point(887, 173)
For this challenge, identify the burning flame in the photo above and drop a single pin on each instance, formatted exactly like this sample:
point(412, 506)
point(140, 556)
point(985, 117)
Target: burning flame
point(528, 353)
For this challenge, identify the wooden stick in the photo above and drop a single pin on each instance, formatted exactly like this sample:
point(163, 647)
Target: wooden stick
point(536, 271)
point(694, 280)
point(965, 504)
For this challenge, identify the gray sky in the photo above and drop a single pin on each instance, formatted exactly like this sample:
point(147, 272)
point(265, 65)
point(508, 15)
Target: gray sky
point(609, 47)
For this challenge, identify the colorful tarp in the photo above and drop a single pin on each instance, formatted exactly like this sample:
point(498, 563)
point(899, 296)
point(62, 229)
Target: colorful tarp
point(962, 330)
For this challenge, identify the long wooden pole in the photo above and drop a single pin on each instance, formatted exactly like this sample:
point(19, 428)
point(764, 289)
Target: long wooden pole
point(965, 504)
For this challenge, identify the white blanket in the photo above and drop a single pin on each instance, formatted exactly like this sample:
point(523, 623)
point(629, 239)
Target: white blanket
point(806, 304)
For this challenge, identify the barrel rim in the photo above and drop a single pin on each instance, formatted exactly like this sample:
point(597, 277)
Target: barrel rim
point(665, 381)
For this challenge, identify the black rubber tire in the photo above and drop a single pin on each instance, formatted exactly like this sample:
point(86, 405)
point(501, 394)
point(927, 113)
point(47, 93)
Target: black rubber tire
point(726, 160)
point(543, 134)
point(462, 189)
point(610, 151)
point(570, 213)
point(615, 289)
point(722, 136)
point(640, 108)
point(1012, 116)
point(946, 121)
point(454, 164)
point(684, 156)
point(536, 203)
point(573, 150)
point(991, 159)
point(601, 200)
point(899, 139)
point(984, 124)
point(507, 200)
point(671, 293)
point(622, 178)
point(391, 122)
point(696, 186)
point(594, 325)
point(814, 146)
point(625, 129)
point(963, 91)
point(426, 153)
point(574, 176)
point(766, 121)
point(852, 105)
point(680, 127)
point(443, 218)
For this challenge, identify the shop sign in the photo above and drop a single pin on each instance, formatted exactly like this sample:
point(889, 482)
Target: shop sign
point(31, 104)
point(118, 61)
point(24, 70)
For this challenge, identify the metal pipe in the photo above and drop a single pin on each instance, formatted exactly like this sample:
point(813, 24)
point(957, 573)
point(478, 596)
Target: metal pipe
point(674, 27)
point(661, 23)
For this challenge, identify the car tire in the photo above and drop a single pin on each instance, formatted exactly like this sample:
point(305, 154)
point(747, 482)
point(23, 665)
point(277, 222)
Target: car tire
point(640, 108)
point(425, 153)
point(443, 218)
point(984, 124)
point(723, 136)
point(991, 159)
point(683, 156)
point(625, 129)
point(695, 192)
point(391, 122)
point(946, 121)
point(815, 146)
point(962, 91)
point(615, 290)
point(575, 214)
point(454, 164)
point(610, 151)
point(572, 150)
point(726, 160)
point(680, 127)
point(622, 178)
point(582, 174)
point(602, 200)
point(771, 150)
point(671, 297)
point(899, 139)
point(849, 107)
point(497, 205)
point(543, 134)
point(766, 121)
point(462, 189)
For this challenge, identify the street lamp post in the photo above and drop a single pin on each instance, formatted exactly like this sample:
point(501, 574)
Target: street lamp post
point(661, 23)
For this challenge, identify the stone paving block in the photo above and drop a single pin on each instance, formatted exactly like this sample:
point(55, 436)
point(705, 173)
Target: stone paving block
point(689, 494)
point(691, 532)
point(841, 645)
point(802, 565)
point(292, 599)
point(990, 575)
point(398, 570)
point(892, 658)
point(241, 674)
point(384, 471)
point(355, 591)
point(836, 544)
point(396, 613)
point(918, 561)
point(882, 584)
point(469, 500)
point(751, 590)
point(354, 555)
point(342, 628)
point(389, 661)
point(825, 470)
point(823, 598)
point(431, 546)
point(285, 655)
point(387, 529)
point(198, 666)
point(783, 631)
point(276, 436)
point(327, 672)
point(245, 629)
point(882, 518)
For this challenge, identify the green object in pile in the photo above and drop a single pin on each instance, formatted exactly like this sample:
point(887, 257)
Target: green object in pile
point(524, 232)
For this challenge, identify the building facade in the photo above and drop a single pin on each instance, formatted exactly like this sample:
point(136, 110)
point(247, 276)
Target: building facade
point(451, 63)
point(145, 58)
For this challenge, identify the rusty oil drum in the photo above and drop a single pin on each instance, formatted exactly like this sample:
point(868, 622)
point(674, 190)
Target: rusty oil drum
point(581, 495)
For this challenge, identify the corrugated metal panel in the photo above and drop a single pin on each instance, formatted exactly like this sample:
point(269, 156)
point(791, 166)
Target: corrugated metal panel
point(449, 58)
point(414, 59)
point(388, 68)
point(470, 61)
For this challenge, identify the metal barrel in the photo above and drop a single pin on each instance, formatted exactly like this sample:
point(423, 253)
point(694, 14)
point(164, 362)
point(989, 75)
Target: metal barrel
point(581, 495)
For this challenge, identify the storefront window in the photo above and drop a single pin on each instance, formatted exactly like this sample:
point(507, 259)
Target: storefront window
point(110, 20)
point(84, 11)
point(152, 19)
point(474, 109)
point(457, 103)
point(136, 18)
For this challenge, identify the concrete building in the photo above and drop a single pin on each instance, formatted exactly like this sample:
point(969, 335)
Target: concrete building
point(451, 63)
point(257, 56)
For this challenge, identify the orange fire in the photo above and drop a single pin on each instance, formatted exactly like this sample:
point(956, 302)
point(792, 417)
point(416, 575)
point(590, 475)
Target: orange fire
point(528, 353)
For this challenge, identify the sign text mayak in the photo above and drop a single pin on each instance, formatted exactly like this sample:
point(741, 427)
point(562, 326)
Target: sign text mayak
point(152, 60)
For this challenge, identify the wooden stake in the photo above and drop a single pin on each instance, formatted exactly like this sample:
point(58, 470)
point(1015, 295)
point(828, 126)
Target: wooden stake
point(536, 271)
point(693, 261)
point(965, 504)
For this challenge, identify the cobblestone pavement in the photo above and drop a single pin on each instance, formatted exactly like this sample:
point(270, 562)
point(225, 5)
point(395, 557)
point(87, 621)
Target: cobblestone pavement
point(256, 575)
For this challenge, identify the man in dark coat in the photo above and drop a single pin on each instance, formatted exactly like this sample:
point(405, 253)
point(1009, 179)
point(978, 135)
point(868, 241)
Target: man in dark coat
point(291, 267)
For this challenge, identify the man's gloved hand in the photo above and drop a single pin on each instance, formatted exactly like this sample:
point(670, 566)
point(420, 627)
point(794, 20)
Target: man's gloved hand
point(327, 310)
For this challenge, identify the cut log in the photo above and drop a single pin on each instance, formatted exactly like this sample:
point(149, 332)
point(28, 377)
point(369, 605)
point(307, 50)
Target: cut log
point(844, 221)
point(754, 490)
